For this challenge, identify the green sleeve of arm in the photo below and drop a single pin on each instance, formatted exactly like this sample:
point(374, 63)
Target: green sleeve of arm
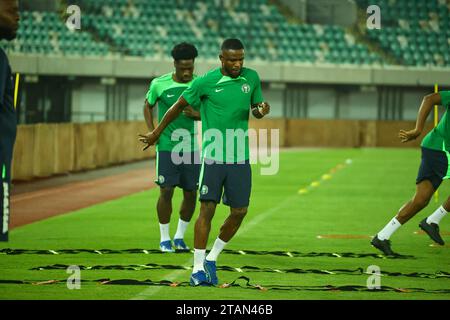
point(193, 94)
point(152, 94)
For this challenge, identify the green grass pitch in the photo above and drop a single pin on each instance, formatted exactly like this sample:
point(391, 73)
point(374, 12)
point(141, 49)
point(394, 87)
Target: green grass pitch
point(358, 200)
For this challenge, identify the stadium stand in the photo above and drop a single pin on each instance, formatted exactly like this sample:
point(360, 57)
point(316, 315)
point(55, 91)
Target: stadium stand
point(143, 29)
point(44, 33)
point(415, 32)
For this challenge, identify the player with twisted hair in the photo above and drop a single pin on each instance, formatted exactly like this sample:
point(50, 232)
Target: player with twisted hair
point(164, 91)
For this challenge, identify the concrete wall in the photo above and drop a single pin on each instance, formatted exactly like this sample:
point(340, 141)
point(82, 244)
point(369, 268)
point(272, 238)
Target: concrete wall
point(138, 68)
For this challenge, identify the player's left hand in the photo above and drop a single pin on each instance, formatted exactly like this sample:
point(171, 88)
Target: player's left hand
point(148, 139)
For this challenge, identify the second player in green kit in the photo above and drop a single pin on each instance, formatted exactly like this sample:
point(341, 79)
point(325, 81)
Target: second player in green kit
point(170, 173)
point(434, 168)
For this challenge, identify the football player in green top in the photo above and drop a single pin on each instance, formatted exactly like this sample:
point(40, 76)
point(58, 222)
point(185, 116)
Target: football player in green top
point(227, 94)
point(165, 91)
point(434, 168)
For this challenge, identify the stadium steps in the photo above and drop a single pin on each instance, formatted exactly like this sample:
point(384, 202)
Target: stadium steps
point(359, 31)
point(286, 12)
point(416, 32)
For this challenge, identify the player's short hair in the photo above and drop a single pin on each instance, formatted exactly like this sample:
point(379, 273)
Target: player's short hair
point(184, 51)
point(232, 44)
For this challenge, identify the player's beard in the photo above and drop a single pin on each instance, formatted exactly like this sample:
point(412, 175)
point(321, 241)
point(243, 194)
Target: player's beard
point(234, 73)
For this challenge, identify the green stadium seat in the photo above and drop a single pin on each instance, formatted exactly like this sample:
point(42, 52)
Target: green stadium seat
point(140, 35)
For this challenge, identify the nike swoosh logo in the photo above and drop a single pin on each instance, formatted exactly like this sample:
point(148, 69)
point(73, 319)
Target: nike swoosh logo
point(218, 90)
point(170, 95)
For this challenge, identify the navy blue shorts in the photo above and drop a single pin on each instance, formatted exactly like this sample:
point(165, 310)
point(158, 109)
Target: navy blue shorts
point(234, 180)
point(177, 171)
point(434, 167)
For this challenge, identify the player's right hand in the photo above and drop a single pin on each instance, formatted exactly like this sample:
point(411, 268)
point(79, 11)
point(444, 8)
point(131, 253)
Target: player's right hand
point(148, 139)
point(409, 135)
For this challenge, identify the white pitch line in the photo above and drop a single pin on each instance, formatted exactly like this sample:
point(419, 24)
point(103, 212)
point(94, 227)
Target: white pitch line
point(152, 290)
point(261, 216)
